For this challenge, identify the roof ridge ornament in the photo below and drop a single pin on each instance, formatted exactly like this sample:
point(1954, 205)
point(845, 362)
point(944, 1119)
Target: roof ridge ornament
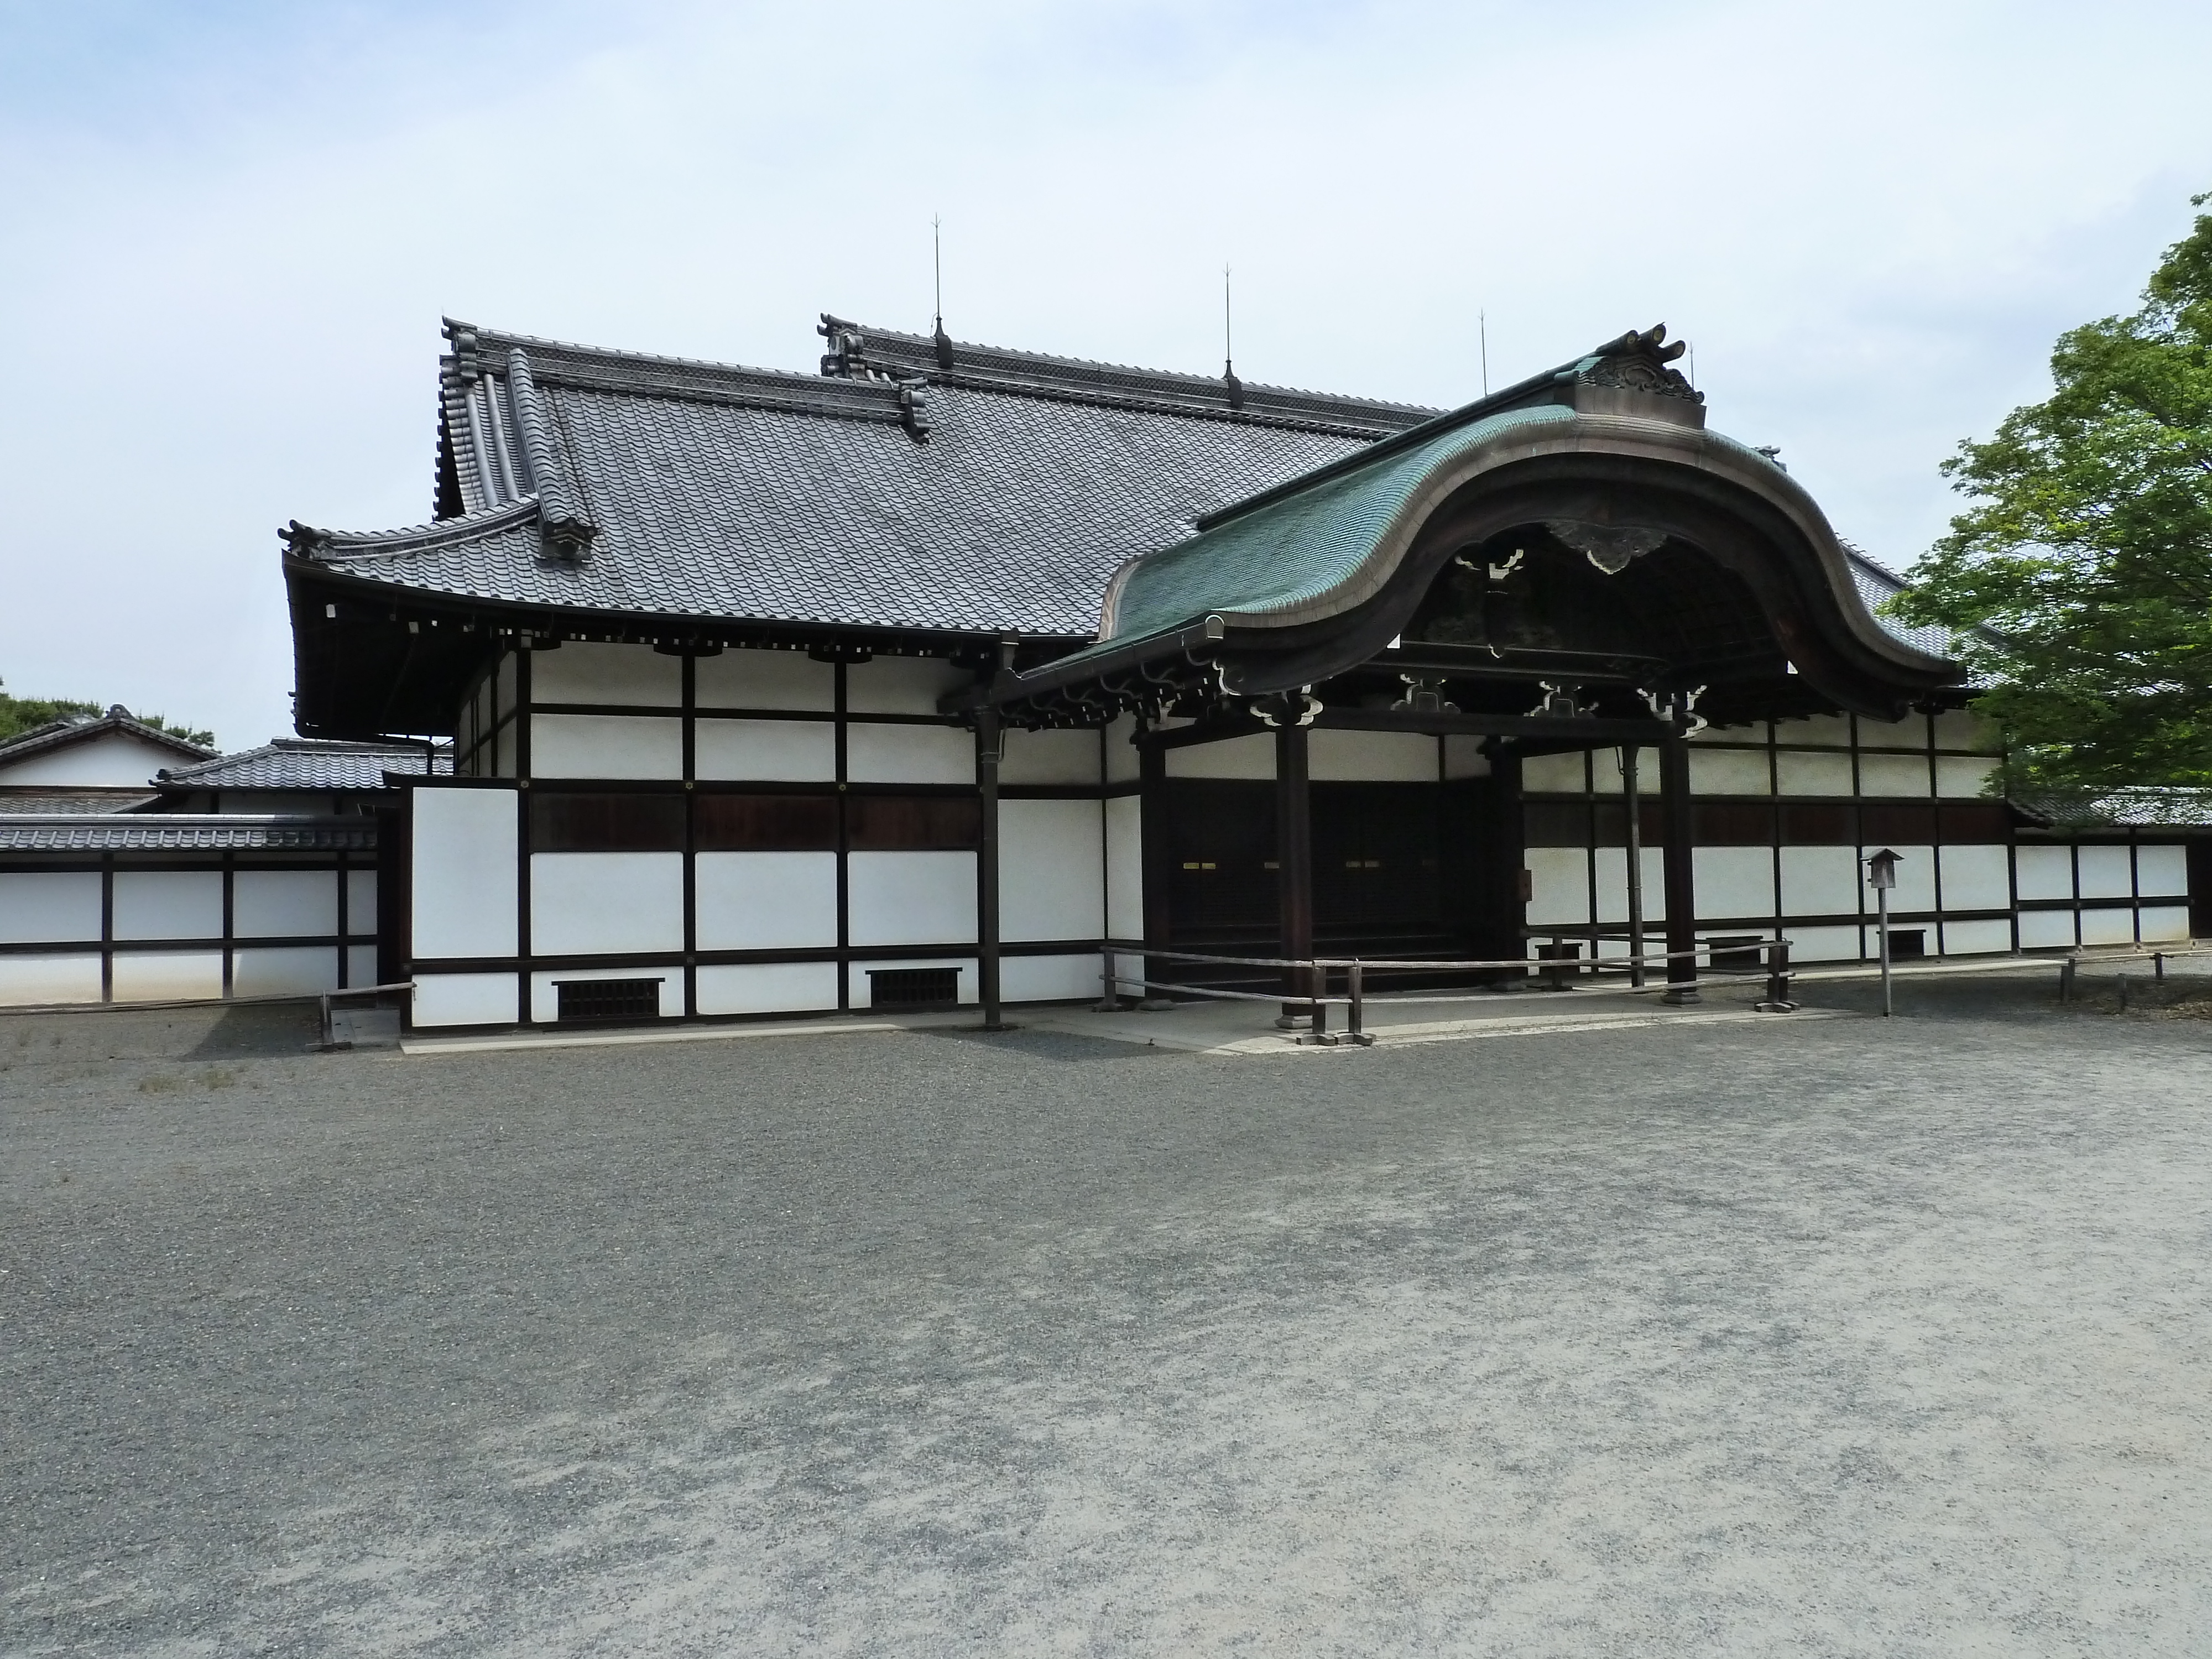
point(565, 527)
point(468, 363)
point(1637, 363)
point(847, 356)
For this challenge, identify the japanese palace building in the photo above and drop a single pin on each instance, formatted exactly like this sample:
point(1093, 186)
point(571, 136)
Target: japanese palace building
point(932, 676)
point(775, 692)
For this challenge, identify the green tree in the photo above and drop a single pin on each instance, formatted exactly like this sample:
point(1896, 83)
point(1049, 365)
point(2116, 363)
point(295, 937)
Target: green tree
point(21, 715)
point(2087, 553)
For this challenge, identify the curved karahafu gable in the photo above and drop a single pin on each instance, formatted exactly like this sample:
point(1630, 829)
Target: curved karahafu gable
point(1605, 460)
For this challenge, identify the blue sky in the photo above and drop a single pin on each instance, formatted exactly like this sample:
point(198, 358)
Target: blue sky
point(232, 230)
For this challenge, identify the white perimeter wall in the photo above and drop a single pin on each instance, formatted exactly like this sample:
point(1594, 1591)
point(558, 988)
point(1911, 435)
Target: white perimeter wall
point(463, 856)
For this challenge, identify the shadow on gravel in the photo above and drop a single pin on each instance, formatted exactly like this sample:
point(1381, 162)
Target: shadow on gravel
point(1046, 1045)
point(253, 1030)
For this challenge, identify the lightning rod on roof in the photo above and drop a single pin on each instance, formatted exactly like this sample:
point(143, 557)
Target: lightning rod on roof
point(1482, 325)
point(938, 337)
point(1229, 350)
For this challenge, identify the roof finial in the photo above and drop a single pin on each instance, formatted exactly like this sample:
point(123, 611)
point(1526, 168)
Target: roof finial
point(940, 338)
point(1229, 349)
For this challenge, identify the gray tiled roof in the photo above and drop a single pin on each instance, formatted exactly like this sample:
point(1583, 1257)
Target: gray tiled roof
point(182, 832)
point(1001, 497)
point(60, 734)
point(305, 763)
point(2142, 807)
point(1878, 585)
point(20, 801)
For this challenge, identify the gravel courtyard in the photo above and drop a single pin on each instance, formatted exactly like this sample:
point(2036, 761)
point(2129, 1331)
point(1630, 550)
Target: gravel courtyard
point(1823, 1337)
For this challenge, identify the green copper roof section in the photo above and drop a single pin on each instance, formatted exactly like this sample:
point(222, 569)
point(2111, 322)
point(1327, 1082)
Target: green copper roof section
point(1296, 546)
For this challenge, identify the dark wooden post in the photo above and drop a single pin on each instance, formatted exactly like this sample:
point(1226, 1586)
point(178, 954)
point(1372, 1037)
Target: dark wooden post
point(987, 738)
point(1158, 870)
point(1681, 878)
point(1293, 862)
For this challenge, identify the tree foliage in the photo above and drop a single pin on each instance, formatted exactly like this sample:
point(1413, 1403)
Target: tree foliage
point(21, 715)
point(2087, 549)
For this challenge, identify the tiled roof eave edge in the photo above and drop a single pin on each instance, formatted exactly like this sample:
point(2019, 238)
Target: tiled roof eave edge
point(334, 546)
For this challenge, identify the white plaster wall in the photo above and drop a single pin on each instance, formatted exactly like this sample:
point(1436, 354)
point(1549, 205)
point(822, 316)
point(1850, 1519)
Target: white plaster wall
point(1975, 878)
point(605, 746)
point(1911, 733)
point(2162, 872)
point(2108, 927)
point(1555, 775)
point(503, 693)
point(1560, 886)
point(1051, 870)
point(909, 754)
point(1051, 978)
point(545, 994)
point(264, 904)
point(1822, 943)
point(910, 898)
point(168, 904)
point(2104, 872)
point(1463, 757)
point(360, 965)
point(780, 987)
point(1122, 763)
point(583, 672)
point(360, 901)
point(38, 905)
point(1125, 867)
point(1131, 970)
point(1249, 757)
point(2044, 871)
point(463, 901)
point(58, 978)
point(1893, 774)
point(2164, 924)
point(2044, 929)
point(765, 752)
point(1959, 728)
point(1733, 881)
point(1916, 881)
point(1828, 731)
point(1821, 881)
point(464, 1000)
point(1343, 757)
point(115, 759)
point(169, 975)
point(1612, 867)
point(861, 996)
point(766, 679)
point(1606, 777)
point(766, 901)
point(588, 902)
point(1728, 772)
point(1962, 777)
point(1813, 774)
point(1057, 757)
point(289, 970)
point(902, 686)
point(1965, 939)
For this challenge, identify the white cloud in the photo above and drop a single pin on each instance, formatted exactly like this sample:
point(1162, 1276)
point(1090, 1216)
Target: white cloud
point(222, 284)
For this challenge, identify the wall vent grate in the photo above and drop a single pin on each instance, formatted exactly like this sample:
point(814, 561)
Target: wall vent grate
point(913, 987)
point(588, 1000)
